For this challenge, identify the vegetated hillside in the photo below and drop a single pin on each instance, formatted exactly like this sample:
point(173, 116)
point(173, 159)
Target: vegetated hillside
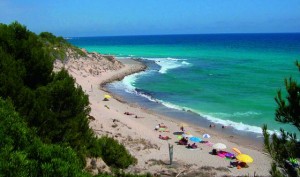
point(43, 116)
point(58, 47)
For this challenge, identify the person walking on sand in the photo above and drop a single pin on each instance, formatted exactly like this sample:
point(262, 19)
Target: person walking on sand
point(182, 128)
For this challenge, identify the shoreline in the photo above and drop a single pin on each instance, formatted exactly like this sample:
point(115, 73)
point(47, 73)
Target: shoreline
point(249, 139)
point(141, 140)
point(243, 140)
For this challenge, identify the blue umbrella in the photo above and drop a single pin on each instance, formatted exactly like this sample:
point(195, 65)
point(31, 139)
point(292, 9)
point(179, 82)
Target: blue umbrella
point(195, 139)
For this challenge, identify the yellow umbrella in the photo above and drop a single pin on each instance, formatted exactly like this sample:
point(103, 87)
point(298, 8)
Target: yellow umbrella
point(244, 158)
point(236, 150)
point(107, 96)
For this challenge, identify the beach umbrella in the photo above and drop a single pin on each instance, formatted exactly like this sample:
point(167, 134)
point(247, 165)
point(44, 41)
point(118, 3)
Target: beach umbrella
point(187, 135)
point(219, 146)
point(236, 150)
point(244, 158)
point(107, 96)
point(206, 136)
point(195, 139)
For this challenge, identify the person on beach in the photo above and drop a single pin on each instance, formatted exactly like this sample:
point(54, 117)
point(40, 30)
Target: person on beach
point(164, 137)
point(212, 125)
point(193, 146)
point(182, 128)
point(128, 113)
point(183, 141)
point(162, 125)
point(233, 164)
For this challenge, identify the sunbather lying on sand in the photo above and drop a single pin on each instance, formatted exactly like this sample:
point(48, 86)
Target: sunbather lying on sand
point(193, 146)
point(128, 113)
point(183, 141)
point(162, 125)
point(163, 137)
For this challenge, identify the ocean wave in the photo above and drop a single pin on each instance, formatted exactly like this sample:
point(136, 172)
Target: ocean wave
point(236, 125)
point(165, 64)
point(128, 85)
point(235, 114)
point(240, 126)
point(129, 81)
point(169, 63)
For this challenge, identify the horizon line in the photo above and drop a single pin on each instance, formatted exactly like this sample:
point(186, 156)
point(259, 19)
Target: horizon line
point(131, 35)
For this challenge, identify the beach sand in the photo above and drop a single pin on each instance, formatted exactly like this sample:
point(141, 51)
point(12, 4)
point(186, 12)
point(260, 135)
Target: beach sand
point(138, 134)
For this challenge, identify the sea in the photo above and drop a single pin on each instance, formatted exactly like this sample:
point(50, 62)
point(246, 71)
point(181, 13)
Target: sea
point(221, 79)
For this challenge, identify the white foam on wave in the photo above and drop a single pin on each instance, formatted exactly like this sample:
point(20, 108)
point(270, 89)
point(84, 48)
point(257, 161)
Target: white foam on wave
point(236, 125)
point(169, 63)
point(236, 114)
point(170, 105)
point(129, 85)
point(129, 82)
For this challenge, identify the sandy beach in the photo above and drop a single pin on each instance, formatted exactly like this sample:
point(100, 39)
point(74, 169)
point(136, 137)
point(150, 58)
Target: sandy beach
point(137, 131)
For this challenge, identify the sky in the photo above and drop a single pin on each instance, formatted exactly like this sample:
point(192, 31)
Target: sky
point(71, 18)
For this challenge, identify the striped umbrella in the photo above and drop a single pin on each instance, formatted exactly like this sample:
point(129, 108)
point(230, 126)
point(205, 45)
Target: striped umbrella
point(236, 150)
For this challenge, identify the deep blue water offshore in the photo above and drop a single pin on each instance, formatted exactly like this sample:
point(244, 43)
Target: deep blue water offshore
point(230, 79)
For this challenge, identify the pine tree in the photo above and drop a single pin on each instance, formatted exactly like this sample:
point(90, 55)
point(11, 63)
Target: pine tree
point(284, 148)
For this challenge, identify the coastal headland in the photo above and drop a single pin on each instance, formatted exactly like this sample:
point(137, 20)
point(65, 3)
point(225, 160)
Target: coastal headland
point(134, 126)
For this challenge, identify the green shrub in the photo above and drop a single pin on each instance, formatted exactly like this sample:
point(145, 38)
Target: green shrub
point(22, 153)
point(115, 154)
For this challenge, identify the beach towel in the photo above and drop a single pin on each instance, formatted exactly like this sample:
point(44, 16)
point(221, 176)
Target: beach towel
point(193, 149)
point(222, 154)
point(229, 155)
point(210, 144)
point(164, 137)
point(163, 130)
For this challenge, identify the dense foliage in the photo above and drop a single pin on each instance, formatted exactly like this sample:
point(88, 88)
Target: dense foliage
point(284, 149)
point(22, 153)
point(44, 128)
point(113, 153)
point(50, 102)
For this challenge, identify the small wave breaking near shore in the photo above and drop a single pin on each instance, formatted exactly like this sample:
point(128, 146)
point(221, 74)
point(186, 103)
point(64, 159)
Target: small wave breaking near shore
point(169, 63)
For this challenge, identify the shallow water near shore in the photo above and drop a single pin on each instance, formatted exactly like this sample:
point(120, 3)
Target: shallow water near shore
point(120, 88)
point(227, 79)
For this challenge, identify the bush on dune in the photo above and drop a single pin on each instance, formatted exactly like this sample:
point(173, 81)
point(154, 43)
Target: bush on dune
point(115, 154)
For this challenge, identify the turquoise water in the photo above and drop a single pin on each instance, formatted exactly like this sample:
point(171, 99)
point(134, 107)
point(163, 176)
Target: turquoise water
point(228, 79)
